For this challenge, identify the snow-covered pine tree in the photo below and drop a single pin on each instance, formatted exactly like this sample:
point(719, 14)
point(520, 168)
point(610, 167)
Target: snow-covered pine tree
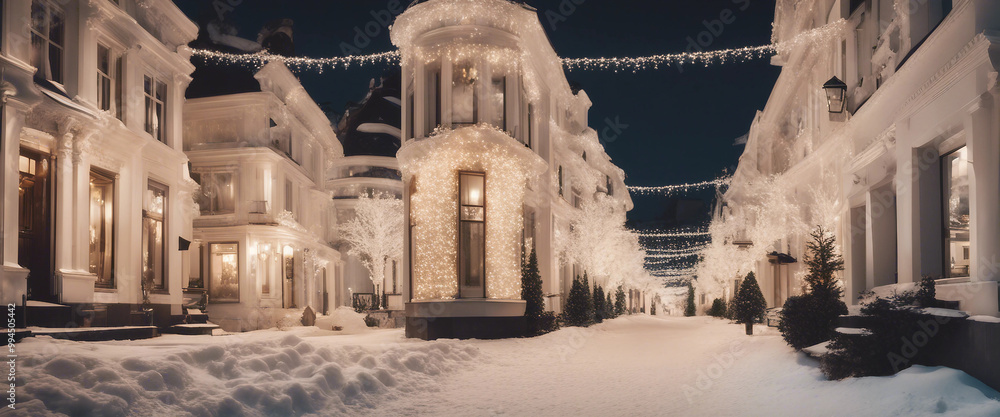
point(598, 304)
point(620, 301)
point(689, 309)
point(810, 318)
point(589, 299)
point(749, 305)
point(609, 307)
point(577, 312)
point(531, 293)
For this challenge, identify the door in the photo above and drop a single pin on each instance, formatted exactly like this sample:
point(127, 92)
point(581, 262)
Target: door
point(35, 223)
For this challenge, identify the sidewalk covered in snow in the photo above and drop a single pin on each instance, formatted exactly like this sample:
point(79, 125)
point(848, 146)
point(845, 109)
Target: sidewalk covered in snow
point(634, 365)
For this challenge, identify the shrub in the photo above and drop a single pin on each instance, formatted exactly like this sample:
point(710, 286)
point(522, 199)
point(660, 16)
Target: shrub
point(620, 301)
point(371, 321)
point(891, 323)
point(579, 305)
point(749, 304)
point(689, 309)
point(538, 320)
point(598, 304)
point(811, 318)
point(718, 308)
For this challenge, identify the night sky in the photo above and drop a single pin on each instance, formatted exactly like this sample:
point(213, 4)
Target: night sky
point(681, 122)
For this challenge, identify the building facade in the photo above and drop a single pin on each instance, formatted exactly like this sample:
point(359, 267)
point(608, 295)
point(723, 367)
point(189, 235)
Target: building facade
point(370, 133)
point(97, 200)
point(906, 176)
point(496, 157)
point(263, 242)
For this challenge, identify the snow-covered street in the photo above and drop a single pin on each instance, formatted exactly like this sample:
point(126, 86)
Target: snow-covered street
point(635, 365)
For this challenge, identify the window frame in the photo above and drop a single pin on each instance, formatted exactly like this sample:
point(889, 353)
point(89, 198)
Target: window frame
point(209, 282)
point(460, 222)
point(159, 132)
point(109, 265)
point(946, 229)
point(47, 42)
point(163, 218)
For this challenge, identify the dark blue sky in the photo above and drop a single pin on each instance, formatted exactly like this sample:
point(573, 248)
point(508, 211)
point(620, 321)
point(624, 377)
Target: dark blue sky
point(681, 123)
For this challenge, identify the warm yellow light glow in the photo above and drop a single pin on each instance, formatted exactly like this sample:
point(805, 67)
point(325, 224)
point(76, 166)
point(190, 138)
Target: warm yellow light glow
point(434, 163)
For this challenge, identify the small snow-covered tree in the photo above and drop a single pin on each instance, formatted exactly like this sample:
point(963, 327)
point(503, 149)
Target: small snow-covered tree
point(375, 234)
point(598, 304)
point(577, 311)
point(749, 305)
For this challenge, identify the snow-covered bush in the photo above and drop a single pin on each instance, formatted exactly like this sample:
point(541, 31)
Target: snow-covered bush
point(718, 308)
point(890, 323)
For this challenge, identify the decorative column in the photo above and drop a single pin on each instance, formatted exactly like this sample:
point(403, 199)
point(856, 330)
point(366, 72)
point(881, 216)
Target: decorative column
point(984, 184)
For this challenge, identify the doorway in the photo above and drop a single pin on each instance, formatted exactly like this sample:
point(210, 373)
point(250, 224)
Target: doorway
point(35, 223)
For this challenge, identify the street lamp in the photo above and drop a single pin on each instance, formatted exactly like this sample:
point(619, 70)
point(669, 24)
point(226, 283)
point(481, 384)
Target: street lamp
point(836, 95)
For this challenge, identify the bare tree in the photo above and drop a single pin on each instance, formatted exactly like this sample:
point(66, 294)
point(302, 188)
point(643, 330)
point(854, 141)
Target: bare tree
point(376, 234)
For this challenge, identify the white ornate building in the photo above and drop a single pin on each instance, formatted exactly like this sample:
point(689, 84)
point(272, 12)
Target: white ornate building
point(96, 192)
point(261, 153)
point(907, 176)
point(496, 157)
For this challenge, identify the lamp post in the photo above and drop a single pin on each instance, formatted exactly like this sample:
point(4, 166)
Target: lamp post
point(836, 95)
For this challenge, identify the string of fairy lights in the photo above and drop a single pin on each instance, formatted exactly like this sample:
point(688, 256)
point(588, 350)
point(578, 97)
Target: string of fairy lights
point(616, 64)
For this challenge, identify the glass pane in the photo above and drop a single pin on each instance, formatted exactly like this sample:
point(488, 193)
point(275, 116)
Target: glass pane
point(55, 63)
point(499, 97)
point(195, 280)
point(149, 115)
point(161, 91)
point(473, 213)
point(56, 27)
point(472, 260)
point(119, 90)
point(38, 12)
point(463, 94)
point(101, 228)
point(103, 59)
point(956, 201)
point(473, 192)
point(152, 252)
point(156, 199)
point(36, 55)
point(157, 120)
point(224, 282)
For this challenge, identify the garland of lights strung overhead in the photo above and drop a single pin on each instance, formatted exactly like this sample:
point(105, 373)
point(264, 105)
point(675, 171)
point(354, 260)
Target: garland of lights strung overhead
point(723, 56)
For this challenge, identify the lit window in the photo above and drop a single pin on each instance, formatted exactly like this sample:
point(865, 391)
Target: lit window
point(154, 248)
point(109, 81)
point(218, 194)
point(472, 235)
point(47, 40)
point(955, 193)
point(224, 273)
point(155, 92)
point(102, 219)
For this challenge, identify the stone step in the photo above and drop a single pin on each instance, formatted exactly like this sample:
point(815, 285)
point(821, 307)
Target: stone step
point(192, 329)
point(97, 334)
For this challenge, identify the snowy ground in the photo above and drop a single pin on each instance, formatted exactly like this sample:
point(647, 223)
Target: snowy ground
point(636, 365)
